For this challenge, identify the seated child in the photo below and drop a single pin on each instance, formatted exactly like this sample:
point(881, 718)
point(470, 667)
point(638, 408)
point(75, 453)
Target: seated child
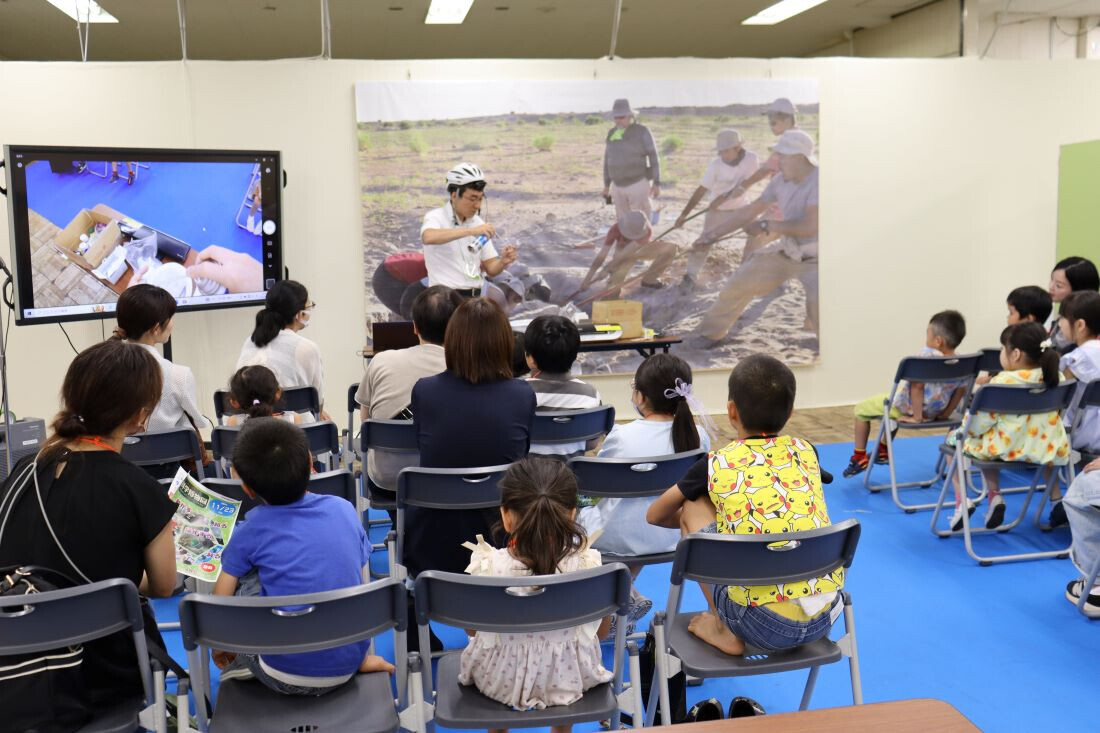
point(551, 344)
point(1028, 303)
point(255, 391)
point(295, 542)
point(1079, 324)
point(761, 483)
point(916, 402)
point(1039, 438)
point(538, 506)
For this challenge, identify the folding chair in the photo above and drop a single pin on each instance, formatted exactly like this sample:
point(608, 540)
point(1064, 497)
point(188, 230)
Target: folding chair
point(1090, 581)
point(501, 605)
point(632, 478)
point(333, 483)
point(789, 557)
point(958, 368)
point(391, 437)
point(294, 399)
point(161, 447)
point(1009, 399)
point(990, 361)
point(290, 625)
point(443, 488)
point(42, 622)
point(555, 427)
point(323, 436)
point(1090, 398)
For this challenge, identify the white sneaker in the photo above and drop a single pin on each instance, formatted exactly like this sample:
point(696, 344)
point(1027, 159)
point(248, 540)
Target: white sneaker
point(995, 513)
point(956, 520)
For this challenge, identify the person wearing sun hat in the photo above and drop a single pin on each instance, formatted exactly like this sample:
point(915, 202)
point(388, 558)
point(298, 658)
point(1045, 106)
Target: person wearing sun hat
point(631, 167)
point(722, 179)
point(630, 240)
point(793, 256)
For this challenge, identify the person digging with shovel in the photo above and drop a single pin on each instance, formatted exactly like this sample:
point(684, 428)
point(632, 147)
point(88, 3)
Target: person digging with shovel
point(631, 241)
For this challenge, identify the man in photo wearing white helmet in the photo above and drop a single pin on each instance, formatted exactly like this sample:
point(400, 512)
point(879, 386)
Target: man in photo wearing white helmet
point(458, 246)
point(631, 168)
point(629, 240)
point(724, 174)
point(792, 256)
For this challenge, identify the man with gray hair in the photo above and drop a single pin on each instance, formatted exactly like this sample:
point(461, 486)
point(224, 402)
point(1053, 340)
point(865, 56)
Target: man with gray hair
point(792, 256)
point(631, 168)
point(723, 180)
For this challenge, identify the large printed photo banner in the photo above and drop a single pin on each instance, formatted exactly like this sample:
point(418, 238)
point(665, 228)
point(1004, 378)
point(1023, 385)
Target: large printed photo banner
point(697, 199)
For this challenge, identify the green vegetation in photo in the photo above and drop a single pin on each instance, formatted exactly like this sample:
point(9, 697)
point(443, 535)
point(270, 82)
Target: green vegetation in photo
point(543, 143)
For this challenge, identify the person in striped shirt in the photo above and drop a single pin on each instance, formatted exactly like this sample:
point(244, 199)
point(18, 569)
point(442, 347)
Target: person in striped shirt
point(551, 344)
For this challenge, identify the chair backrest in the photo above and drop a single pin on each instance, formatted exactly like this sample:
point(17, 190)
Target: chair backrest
point(159, 447)
point(231, 488)
point(392, 436)
point(497, 604)
point(353, 404)
point(572, 426)
point(1090, 397)
point(323, 436)
point(71, 616)
point(1023, 399)
point(449, 488)
point(938, 368)
point(736, 559)
point(339, 483)
point(990, 361)
point(294, 399)
point(631, 477)
point(292, 624)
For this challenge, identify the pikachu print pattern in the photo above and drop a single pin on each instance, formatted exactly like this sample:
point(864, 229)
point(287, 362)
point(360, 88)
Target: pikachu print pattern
point(770, 486)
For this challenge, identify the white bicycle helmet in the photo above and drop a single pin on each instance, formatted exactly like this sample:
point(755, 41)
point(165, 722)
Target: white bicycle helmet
point(463, 174)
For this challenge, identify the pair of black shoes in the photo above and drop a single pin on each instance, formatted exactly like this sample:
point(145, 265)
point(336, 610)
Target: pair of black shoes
point(711, 709)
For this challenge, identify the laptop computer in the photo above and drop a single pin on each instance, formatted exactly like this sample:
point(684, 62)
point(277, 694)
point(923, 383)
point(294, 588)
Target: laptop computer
point(386, 335)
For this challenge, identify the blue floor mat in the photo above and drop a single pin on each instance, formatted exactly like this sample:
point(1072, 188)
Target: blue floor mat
point(992, 641)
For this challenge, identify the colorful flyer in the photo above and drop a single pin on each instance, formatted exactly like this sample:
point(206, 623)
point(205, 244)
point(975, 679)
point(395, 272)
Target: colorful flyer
point(202, 526)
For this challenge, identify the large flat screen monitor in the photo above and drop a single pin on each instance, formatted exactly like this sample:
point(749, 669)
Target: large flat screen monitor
point(87, 223)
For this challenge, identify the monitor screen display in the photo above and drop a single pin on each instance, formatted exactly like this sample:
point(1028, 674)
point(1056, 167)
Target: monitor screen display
point(87, 223)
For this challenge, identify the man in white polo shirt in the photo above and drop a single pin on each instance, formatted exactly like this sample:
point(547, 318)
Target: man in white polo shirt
point(458, 246)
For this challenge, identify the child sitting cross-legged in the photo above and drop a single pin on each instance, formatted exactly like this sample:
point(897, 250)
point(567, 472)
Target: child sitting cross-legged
point(763, 482)
point(294, 542)
point(916, 402)
point(538, 507)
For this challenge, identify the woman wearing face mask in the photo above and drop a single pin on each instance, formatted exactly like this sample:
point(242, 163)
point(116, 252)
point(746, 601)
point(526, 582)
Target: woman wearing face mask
point(277, 343)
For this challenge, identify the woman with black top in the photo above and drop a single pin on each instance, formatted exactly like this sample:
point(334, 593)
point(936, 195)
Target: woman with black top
point(473, 414)
point(111, 519)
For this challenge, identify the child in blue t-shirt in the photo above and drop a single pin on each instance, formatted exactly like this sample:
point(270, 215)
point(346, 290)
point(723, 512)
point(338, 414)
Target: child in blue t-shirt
point(294, 542)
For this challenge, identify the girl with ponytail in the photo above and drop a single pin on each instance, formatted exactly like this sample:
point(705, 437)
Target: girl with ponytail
point(537, 509)
point(276, 341)
point(255, 392)
point(1026, 358)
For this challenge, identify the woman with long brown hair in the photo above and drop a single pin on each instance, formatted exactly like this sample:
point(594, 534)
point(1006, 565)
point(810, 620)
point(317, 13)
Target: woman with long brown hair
point(104, 516)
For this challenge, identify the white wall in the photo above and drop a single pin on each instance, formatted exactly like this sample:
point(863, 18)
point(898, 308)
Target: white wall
point(931, 31)
point(938, 190)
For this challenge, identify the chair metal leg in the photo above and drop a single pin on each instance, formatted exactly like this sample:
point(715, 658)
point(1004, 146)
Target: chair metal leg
point(806, 693)
point(660, 658)
point(1090, 581)
point(852, 651)
point(637, 710)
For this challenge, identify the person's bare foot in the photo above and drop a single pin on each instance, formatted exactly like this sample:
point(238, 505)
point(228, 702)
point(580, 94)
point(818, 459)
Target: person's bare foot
point(375, 663)
point(713, 631)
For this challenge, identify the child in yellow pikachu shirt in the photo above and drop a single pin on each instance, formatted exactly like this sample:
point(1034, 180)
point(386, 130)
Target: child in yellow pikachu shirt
point(761, 483)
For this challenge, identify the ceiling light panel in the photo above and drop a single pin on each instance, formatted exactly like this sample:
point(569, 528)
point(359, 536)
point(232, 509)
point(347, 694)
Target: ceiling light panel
point(447, 12)
point(85, 11)
point(781, 11)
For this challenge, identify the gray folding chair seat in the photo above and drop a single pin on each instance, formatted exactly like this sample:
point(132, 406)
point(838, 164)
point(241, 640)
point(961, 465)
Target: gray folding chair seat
point(632, 478)
point(31, 624)
point(556, 427)
point(493, 604)
point(295, 624)
point(753, 560)
point(1007, 399)
point(959, 368)
point(164, 447)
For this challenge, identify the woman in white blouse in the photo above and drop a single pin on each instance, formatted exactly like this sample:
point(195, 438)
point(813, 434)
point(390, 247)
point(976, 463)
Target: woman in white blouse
point(144, 314)
point(277, 344)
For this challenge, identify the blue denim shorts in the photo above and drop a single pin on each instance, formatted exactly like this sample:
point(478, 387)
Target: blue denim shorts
point(762, 628)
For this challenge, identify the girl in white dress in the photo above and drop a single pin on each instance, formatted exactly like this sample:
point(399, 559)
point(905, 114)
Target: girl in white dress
point(532, 671)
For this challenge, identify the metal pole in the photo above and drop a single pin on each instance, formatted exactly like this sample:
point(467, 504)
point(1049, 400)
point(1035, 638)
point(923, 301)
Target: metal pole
point(326, 30)
point(4, 385)
point(183, 27)
point(615, 28)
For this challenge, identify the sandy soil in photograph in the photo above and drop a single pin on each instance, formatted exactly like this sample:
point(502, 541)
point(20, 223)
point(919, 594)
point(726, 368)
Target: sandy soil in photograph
point(545, 181)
